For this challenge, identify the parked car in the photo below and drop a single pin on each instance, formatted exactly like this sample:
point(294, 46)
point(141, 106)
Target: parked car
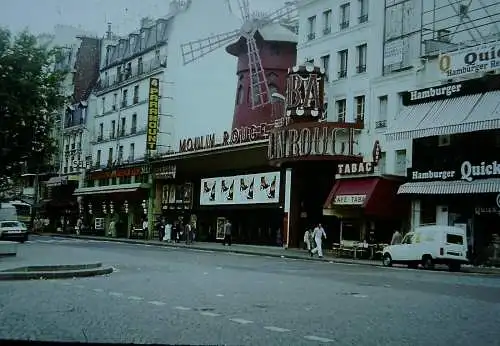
point(13, 230)
point(429, 245)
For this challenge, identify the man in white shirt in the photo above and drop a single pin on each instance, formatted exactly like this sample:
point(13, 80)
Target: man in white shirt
point(318, 234)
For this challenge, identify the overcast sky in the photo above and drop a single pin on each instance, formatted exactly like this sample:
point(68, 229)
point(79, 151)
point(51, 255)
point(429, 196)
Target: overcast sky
point(40, 16)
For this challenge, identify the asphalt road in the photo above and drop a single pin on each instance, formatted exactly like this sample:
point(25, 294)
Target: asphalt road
point(176, 296)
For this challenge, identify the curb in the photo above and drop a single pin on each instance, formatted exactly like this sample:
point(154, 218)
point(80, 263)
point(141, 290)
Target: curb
point(47, 275)
point(53, 268)
point(485, 271)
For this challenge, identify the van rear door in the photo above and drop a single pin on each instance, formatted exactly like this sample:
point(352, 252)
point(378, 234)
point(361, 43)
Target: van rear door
point(455, 246)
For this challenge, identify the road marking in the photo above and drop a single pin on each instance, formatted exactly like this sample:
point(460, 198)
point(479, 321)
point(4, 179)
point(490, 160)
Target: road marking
point(116, 294)
point(317, 338)
point(360, 296)
point(135, 298)
point(182, 308)
point(218, 268)
point(220, 295)
point(98, 290)
point(277, 329)
point(80, 286)
point(205, 273)
point(155, 302)
point(240, 320)
point(208, 313)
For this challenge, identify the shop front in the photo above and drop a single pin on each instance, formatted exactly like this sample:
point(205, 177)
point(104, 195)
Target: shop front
point(59, 204)
point(459, 184)
point(115, 202)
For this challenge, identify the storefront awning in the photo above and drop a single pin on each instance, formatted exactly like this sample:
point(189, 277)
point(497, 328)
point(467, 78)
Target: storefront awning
point(455, 115)
point(491, 185)
point(99, 190)
point(373, 196)
point(62, 180)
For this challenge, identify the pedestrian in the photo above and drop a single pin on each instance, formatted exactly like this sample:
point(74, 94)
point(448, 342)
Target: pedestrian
point(187, 230)
point(227, 233)
point(307, 239)
point(161, 229)
point(168, 232)
point(145, 227)
point(319, 234)
point(111, 229)
point(396, 238)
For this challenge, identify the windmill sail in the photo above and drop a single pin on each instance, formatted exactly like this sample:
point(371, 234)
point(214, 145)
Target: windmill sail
point(194, 50)
point(259, 89)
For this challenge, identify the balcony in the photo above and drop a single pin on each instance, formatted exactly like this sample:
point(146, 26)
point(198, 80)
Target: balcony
point(360, 119)
point(342, 74)
point(327, 30)
point(311, 36)
point(360, 68)
point(381, 124)
point(131, 75)
point(344, 25)
point(363, 18)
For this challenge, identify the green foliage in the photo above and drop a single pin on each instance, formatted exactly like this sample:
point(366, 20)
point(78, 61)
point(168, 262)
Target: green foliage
point(30, 96)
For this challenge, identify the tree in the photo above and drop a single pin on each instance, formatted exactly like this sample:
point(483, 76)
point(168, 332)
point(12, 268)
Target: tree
point(30, 96)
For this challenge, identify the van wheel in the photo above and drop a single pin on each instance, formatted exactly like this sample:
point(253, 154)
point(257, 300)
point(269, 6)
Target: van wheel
point(427, 262)
point(387, 260)
point(454, 267)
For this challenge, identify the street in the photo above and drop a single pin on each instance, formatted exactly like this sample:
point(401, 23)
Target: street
point(180, 296)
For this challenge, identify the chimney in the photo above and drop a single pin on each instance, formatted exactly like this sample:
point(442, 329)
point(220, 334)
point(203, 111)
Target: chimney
point(109, 32)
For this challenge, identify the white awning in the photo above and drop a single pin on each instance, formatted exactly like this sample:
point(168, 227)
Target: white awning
point(459, 187)
point(456, 115)
point(99, 190)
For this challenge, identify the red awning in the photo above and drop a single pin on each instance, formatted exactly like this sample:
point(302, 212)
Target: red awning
point(374, 196)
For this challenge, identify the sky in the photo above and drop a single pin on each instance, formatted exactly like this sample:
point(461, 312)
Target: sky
point(40, 16)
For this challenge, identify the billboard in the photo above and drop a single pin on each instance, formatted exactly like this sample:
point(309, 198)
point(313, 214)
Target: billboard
point(153, 114)
point(482, 58)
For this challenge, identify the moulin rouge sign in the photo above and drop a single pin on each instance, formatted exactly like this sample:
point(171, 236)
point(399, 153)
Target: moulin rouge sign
point(305, 91)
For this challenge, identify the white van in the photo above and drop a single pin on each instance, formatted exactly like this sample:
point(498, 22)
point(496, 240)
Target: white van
point(429, 245)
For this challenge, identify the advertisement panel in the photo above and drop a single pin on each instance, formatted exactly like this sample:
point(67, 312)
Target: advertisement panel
point(153, 113)
point(482, 58)
point(241, 189)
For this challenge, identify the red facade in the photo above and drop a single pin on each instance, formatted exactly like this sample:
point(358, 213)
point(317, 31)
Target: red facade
point(276, 58)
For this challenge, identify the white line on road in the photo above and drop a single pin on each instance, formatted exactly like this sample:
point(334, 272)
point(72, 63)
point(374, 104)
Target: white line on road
point(240, 320)
point(116, 294)
point(135, 298)
point(98, 290)
point(220, 295)
point(277, 329)
point(155, 302)
point(218, 268)
point(182, 308)
point(208, 313)
point(198, 250)
point(317, 338)
point(360, 295)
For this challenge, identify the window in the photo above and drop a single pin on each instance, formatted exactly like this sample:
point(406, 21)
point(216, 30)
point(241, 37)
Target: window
point(341, 108)
point(408, 239)
point(382, 112)
point(128, 70)
point(133, 128)
point(124, 98)
point(119, 73)
point(363, 11)
point(101, 131)
point(136, 94)
point(311, 35)
point(157, 55)
point(400, 168)
point(115, 101)
point(120, 154)
point(239, 95)
point(360, 109)
point(122, 128)
point(110, 156)
point(131, 152)
point(106, 79)
point(343, 56)
point(325, 63)
point(273, 89)
point(140, 67)
point(344, 16)
point(98, 158)
point(327, 19)
point(454, 239)
point(361, 58)
point(103, 107)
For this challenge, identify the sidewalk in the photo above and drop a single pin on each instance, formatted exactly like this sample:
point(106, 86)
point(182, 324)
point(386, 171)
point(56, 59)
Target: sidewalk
point(258, 250)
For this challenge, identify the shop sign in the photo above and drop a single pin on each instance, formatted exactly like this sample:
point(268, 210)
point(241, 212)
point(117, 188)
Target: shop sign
point(241, 189)
point(153, 113)
point(122, 172)
point(467, 172)
point(349, 200)
point(165, 172)
point(481, 58)
point(305, 92)
point(303, 140)
point(355, 168)
point(236, 136)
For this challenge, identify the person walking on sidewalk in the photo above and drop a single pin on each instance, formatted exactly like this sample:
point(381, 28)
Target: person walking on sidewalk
point(307, 239)
point(319, 234)
point(227, 233)
point(187, 229)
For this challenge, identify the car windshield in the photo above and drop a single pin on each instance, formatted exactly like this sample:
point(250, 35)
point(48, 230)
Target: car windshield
point(10, 224)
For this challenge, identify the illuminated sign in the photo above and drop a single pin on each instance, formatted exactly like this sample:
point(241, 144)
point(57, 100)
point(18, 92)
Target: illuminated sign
point(153, 114)
point(305, 93)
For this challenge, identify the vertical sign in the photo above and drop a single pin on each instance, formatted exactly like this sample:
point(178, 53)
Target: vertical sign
point(305, 93)
point(153, 114)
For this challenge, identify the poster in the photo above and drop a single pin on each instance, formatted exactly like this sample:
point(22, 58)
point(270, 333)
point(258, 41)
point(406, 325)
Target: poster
point(241, 189)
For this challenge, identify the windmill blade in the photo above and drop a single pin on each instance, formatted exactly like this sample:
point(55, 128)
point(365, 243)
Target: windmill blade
point(259, 89)
point(194, 50)
point(285, 11)
point(244, 6)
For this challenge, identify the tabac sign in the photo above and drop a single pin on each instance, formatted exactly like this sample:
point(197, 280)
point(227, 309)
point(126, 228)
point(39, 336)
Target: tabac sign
point(305, 93)
point(153, 114)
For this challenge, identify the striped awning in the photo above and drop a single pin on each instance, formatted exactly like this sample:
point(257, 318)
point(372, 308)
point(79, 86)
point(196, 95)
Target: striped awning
point(459, 187)
point(99, 190)
point(456, 115)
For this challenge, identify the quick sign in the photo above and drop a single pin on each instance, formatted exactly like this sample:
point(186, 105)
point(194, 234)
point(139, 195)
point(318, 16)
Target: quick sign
point(349, 200)
point(305, 92)
point(153, 113)
point(467, 172)
point(483, 58)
